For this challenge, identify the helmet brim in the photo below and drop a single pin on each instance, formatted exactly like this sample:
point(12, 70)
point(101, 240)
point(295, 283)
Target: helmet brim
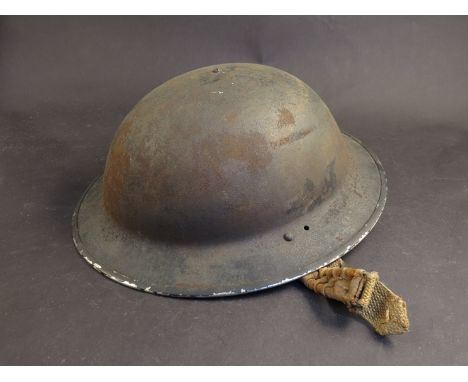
point(257, 262)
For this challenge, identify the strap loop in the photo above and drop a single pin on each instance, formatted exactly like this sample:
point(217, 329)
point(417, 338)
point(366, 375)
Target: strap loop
point(363, 293)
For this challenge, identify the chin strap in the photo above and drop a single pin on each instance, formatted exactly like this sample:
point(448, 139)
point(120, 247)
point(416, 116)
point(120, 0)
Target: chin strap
point(363, 294)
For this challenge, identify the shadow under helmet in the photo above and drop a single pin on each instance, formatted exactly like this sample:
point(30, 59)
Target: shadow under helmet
point(226, 180)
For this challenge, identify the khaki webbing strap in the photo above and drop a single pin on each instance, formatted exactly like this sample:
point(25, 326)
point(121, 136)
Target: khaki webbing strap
point(363, 294)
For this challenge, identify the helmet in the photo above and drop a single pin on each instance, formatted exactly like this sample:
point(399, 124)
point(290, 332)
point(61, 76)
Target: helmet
point(226, 180)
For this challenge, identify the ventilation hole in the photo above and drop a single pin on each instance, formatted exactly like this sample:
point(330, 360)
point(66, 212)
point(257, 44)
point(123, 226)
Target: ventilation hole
point(306, 227)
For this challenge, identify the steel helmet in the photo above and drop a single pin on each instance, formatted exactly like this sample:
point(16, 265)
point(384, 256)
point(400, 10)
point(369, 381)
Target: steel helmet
point(226, 180)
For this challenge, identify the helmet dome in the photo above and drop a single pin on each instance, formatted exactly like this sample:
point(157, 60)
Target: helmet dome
point(223, 151)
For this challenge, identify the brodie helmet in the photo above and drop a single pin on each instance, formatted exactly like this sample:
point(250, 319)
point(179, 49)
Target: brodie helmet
point(226, 180)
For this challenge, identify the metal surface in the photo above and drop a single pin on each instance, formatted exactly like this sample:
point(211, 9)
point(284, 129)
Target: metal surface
point(226, 180)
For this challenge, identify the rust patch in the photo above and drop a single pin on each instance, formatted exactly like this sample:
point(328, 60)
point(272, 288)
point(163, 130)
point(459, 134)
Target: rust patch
point(285, 118)
point(295, 136)
point(231, 118)
point(211, 153)
point(116, 172)
point(251, 149)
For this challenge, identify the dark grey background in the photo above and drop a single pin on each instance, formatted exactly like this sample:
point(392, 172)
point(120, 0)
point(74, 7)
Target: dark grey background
point(400, 84)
